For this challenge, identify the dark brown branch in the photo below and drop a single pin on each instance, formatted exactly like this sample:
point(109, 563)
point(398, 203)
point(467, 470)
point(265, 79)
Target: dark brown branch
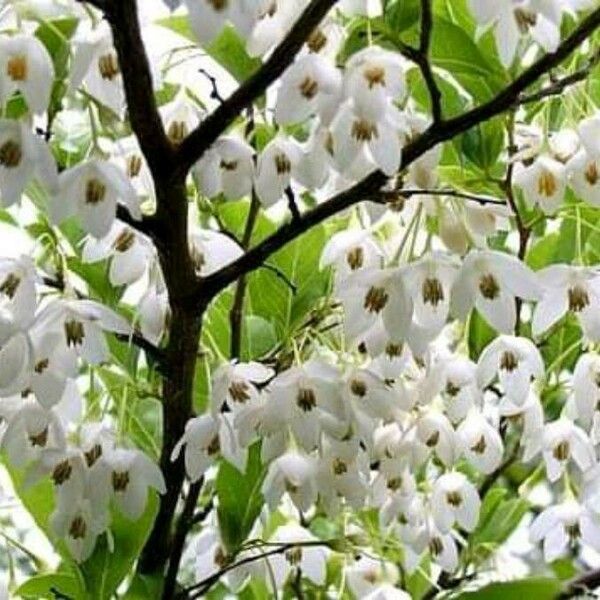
point(392, 196)
point(424, 63)
point(369, 187)
point(558, 86)
point(184, 524)
point(214, 93)
point(122, 16)
point(202, 138)
point(99, 4)
point(581, 586)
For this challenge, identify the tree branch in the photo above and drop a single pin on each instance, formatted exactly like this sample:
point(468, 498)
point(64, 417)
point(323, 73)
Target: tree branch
point(202, 138)
point(423, 61)
point(581, 586)
point(145, 119)
point(369, 187)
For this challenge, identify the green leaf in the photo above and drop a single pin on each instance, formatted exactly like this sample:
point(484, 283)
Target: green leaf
point(240, 498)
point(400, 15)
point(483, 144)
point(47, 586)
point(539, 588)
point(228, 49)
point(480, 335)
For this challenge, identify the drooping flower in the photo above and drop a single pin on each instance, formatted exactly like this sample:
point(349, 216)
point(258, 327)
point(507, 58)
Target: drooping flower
point(454, 499)
point(211, 250)
point(481, 443)
point(26, 66)
point(543, 182)
point(23, 156)
point(92, 190)
point(490, 281)
point(234, 384)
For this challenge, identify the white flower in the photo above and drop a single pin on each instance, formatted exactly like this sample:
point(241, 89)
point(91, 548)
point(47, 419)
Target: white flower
point(91, 190)
point(128, 157)
point(369, 396)
point(132, 474)
point(79, 524)
point(511, 19)
point(483, 221)
point(573, 289)
point(23, 156)
point(234, 384)
point(95, 65)
point(227, 168)
point(543, 183)
point(480, 442)
point(589, 135)
point(376, 294)
point(367, 141)
point(16, 355)
point(129, 253)
point(562, 525)
point(18, 295)
point(515, 361)
point(349, 251)
point(454, 499)
point(305, 86)
point(374, 76)
point(387, 592)
point(212, 250)
point(154, 307)
point(584, 174)
point(31, 430)
point(429, 281)
point(180, 116)
point(293, 474)
point(311, 560)
point(82, 324)
point(367, 574)
point(490, 281)
point(305, 399)
point(26, 66)
point(314, 166)
point(275, 168)
point(435, 431)
point(564, 442)
point(531, 416)
point(442, 548)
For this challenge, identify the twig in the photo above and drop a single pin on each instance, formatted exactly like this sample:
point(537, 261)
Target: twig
point(289, 194)
point(214, 94)
point(202, 138)
point(293, 287)
point(423, 61)
point(391, 196)
point(582, 585)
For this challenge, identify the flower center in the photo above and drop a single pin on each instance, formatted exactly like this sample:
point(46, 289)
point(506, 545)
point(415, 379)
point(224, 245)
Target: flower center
point(214, 447)
point(339, 467)
point(93, 454)
point(177, 132)
point(547, 184)
point(479, 446)
point(375, 75)
point(309, 88)
point(10, 285)
point(78, 528)
point(393, 350)
point(221, 559)
point(229, 165)
point(218, 5)
point(433, 439)
point(238, 390)
point(578, 298)
point(436, 546)
point(306, 399)
point(11, 154)
point(95, 192)
point(62, 472)
point(376, 299)
point(591, 173)
point(282, 164)
point(39, 439)
point(562, 451)
point(509, 361)
point(355, 258)
point(364, 131)
point(432, 291)
point(316, 41)
point(454, 498)
point(452, 389)
point(41, 365)
point(17, 67)
point(525, 19)
point(124, 241)
point(358, 388)
point(294, 556)
point(74, 332)
point(573, 531)
point(108, 65)
point(394, 484)
point(488, 286)
point(120, 480)
point(134, 166)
